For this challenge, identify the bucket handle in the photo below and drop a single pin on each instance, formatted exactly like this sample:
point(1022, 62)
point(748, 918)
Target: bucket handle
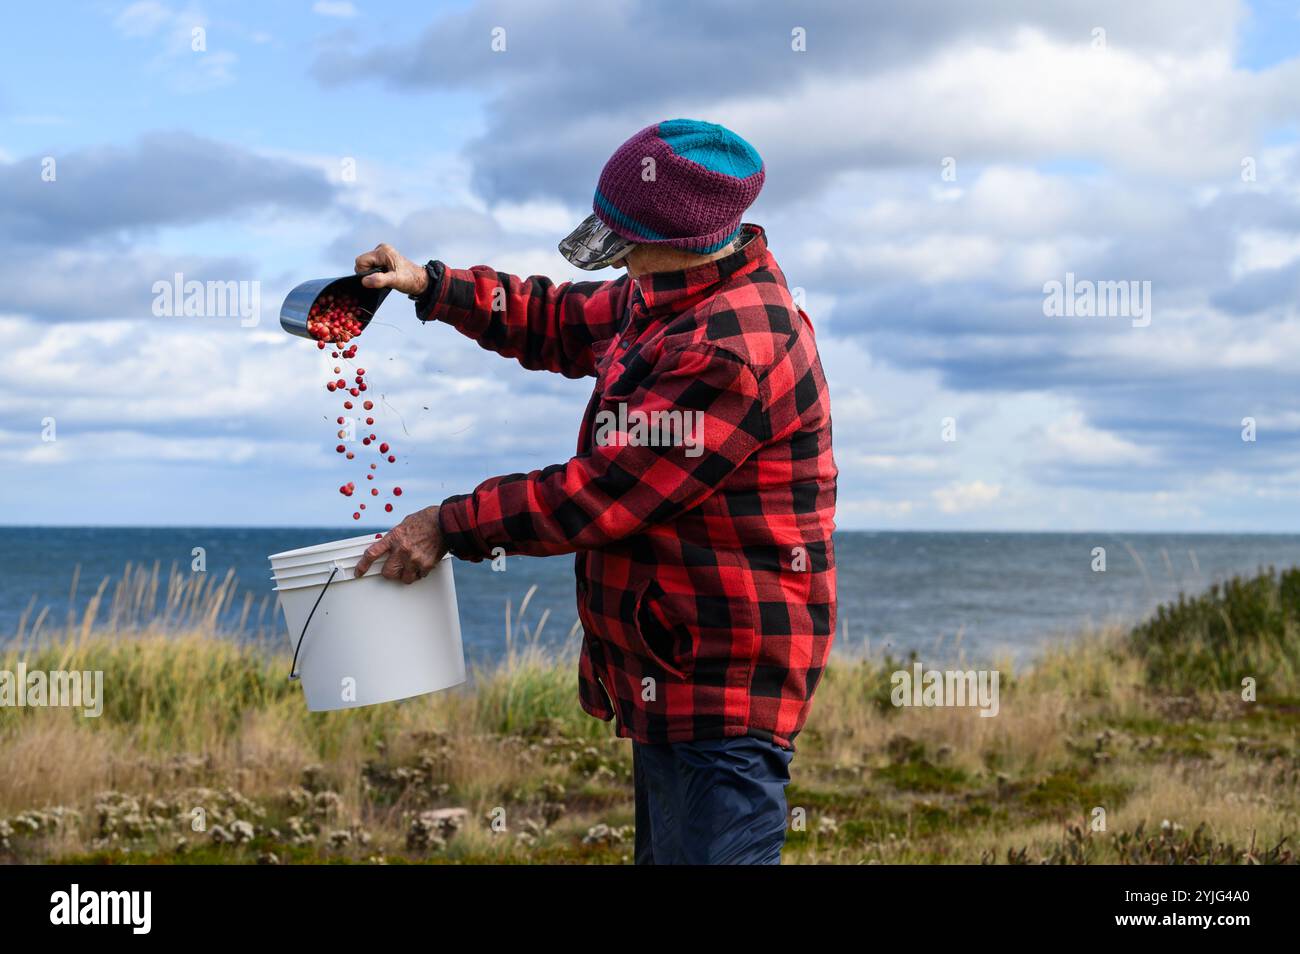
point(293, 667)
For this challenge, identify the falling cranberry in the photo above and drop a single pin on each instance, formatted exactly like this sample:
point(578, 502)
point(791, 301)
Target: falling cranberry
point(336, 319)
point(397, 491)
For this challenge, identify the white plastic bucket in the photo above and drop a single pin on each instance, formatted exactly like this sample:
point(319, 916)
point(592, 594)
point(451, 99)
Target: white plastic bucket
point(322, 553)
point(371, 639)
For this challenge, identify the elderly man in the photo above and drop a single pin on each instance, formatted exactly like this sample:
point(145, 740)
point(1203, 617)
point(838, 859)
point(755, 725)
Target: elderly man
point(700, 502)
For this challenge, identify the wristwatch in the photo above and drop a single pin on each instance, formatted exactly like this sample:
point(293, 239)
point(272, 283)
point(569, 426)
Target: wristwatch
point(424, 301)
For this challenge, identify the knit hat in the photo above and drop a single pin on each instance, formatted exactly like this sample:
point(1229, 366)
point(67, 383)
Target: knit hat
point(682, 182)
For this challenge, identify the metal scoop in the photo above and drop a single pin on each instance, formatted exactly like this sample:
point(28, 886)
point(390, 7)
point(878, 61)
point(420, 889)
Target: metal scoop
point(298, 303)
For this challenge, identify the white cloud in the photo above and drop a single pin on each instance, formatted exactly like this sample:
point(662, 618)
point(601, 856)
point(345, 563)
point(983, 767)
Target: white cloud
point(1032, 96)
point(176, 33)
point(1265, 248)
point(143, 18)
point(1071, 440)
point(964, 497)
point(334, 8)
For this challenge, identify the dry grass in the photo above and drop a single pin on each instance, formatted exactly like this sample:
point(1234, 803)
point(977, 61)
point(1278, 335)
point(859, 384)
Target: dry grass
point(196, 720)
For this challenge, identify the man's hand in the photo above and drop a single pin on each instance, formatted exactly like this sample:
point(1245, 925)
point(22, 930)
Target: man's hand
point(414, 548)
point(399, 273)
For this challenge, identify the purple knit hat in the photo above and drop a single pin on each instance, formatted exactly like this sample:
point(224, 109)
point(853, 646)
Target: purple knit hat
point(681, 182)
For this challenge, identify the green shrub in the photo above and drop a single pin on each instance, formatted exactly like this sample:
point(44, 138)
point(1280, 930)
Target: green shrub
point(1244, 627)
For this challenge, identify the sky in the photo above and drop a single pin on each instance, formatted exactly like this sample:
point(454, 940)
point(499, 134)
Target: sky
point(933, 167)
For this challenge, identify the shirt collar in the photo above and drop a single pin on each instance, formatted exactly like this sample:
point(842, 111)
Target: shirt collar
point(678, 290)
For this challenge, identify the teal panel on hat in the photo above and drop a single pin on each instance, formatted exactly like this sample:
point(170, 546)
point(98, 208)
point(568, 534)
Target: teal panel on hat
point(715, 147)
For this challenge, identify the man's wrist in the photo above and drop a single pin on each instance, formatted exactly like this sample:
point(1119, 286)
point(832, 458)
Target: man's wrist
point(428, 296)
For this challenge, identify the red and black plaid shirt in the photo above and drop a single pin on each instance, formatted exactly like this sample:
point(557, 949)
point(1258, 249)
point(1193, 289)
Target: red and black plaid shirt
point(706, 573)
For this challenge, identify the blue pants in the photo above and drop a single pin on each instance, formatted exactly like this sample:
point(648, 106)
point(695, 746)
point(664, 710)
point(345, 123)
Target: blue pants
point(713, 802)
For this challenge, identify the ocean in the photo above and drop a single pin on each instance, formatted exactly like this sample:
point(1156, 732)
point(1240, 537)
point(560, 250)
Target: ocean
point(977, 596)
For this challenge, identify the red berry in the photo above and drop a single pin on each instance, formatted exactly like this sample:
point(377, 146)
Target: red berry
point(347, 405)
point(340, 420)
point(361, 371)
point(370, 420)
point(383, 448)
point(374, 491)
point(369, 405)
point(332, 386)
point(392, 459)
point(356, 516)
point(366, 441)
point(397, 491)
point(361, 386)
point(388, 507)
point(351, 455)
point(354, 391)
point(340, 448)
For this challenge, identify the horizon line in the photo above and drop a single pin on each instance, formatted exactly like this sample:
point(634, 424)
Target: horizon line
point(838, 530)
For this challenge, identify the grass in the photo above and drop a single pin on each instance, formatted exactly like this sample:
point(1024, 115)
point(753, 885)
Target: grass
point(206, 753)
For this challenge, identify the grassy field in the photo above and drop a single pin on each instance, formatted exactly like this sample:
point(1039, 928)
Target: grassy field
point(206, 753)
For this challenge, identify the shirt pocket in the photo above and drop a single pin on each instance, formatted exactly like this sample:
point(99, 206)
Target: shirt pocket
point(696, 634)
point(661, 632)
